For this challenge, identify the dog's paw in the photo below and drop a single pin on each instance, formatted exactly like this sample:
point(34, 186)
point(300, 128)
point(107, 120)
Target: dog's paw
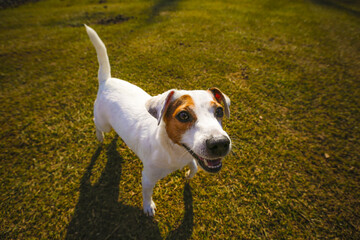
point(149, 209)
point(192, 171)
point(100, 135)
point(189, 174)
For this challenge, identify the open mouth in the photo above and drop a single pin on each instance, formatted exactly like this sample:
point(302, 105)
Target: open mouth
point(209, 165)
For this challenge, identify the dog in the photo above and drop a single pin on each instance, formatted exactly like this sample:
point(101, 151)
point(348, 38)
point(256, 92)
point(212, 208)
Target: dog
point(167, 132)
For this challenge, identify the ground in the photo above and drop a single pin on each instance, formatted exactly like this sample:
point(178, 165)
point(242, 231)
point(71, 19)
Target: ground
point(290, 68)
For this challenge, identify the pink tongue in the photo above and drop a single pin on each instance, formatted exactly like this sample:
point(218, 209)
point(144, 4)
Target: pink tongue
point(213, 162)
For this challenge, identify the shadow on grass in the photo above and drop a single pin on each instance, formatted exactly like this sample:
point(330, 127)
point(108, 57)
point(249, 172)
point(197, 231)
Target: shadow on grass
point(184, 231)
point(99, 215)
point(338, 6)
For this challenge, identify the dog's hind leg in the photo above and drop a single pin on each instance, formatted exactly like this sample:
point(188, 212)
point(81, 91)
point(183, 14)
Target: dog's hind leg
point(193, 169)
point(101, 128)
point(100, 135)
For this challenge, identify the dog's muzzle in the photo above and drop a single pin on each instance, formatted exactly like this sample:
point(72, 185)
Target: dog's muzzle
point(211, 165)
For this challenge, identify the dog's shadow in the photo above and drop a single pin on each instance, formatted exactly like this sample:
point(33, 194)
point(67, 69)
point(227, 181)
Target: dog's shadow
point(99, 215)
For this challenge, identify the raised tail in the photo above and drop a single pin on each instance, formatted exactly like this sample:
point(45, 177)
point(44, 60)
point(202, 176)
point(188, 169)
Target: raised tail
point(104, 64)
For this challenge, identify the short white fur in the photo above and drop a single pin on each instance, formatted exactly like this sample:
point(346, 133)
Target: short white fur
point(126, 108)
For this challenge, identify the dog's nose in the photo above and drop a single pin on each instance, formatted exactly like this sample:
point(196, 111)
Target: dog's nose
point(218, 146)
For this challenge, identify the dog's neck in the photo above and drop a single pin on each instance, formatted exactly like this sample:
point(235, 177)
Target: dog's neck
point(177, 154)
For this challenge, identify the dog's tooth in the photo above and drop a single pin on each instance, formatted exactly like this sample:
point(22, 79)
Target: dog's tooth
point(212, 166)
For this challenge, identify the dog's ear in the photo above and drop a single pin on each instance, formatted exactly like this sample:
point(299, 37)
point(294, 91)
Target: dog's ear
point(158, 105)
point(222, 99)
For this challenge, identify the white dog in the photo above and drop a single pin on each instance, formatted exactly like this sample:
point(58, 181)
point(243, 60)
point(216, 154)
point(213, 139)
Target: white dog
point(167, 131)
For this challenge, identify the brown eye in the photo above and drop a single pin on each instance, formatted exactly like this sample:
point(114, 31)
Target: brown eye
point(183, 116)
point(219, 112)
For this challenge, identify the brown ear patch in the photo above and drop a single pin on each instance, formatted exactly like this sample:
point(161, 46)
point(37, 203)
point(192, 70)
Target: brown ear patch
point(174, 128)
point(215, 104)
point(166, 105)
point(217, 94)
point(220, 98)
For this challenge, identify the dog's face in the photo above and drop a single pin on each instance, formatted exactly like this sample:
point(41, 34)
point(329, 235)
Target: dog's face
point(193, 120)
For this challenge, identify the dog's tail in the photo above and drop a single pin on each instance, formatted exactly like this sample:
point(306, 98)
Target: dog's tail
point(104, 64)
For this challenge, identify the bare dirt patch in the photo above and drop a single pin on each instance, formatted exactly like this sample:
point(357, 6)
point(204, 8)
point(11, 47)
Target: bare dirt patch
point(114, 20)
point(13, 3)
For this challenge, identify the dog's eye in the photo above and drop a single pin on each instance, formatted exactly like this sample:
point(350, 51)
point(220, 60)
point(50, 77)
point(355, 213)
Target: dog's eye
point(183, 116)
point(219, 112)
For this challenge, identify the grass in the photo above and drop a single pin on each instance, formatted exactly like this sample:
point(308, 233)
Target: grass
point(291, 69)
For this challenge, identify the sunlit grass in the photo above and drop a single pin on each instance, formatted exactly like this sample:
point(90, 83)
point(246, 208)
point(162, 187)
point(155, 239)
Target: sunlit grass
point(291, 69)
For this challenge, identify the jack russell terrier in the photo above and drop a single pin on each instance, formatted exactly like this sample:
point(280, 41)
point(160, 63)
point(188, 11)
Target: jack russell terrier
point(167, 131)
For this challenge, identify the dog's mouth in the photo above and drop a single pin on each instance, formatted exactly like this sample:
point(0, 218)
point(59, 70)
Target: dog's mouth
point(209, 165)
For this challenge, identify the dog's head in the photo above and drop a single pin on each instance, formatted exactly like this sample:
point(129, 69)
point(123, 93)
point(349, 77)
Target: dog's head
point(193, 120)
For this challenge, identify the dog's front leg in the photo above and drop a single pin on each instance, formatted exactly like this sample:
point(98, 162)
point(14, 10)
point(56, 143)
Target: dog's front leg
point(193, 169)
point(148, 184)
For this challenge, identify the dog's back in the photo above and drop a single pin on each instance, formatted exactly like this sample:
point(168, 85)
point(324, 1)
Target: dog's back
point(119, 104)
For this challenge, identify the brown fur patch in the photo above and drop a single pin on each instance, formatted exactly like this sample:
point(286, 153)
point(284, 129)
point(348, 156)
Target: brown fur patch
point(215, 105)
point(174, 128)
point(219, 97)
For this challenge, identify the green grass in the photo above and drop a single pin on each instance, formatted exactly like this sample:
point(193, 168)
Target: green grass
point(291, 69)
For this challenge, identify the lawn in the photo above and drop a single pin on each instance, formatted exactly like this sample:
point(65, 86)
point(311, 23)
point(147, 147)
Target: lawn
point(291, 69)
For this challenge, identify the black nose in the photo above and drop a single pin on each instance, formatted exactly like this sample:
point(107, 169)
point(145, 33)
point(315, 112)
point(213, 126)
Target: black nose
point(218, 146)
